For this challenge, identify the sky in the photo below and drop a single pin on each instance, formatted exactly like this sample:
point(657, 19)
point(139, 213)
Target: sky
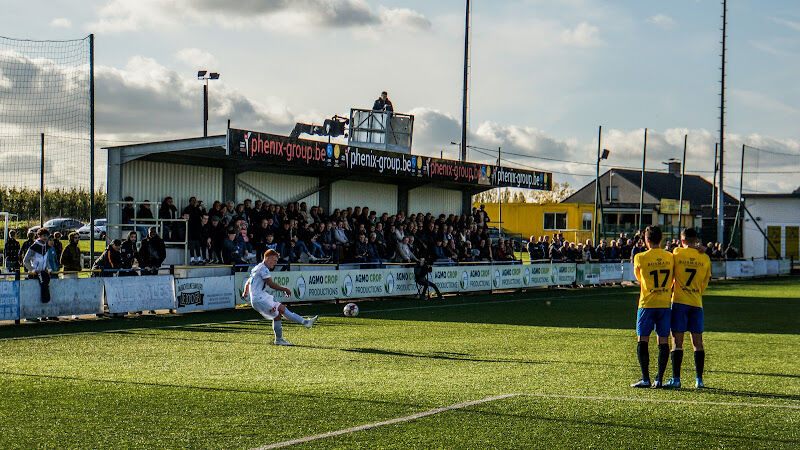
point(543, 74)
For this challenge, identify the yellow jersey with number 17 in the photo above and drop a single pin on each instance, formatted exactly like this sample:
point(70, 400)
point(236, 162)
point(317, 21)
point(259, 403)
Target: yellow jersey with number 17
point(692, 272)
point(654, 270)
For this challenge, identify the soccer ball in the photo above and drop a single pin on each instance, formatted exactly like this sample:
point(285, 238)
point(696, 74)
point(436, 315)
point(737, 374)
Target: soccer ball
point(351, 310)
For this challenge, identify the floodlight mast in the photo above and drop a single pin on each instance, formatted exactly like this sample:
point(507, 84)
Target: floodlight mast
point(204, 75)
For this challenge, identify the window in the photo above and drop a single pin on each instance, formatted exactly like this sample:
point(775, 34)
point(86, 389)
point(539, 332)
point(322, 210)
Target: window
point(612, 193)
point(587, 221)
point(555, 221)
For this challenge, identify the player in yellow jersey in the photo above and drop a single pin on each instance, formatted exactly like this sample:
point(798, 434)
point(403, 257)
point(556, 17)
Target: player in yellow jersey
point(654, 270)
point(692, 272)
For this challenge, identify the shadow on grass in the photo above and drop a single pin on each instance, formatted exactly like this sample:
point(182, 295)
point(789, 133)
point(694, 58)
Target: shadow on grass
point(748, 394)
point(590, 308)
point(269, 392)
point(641, 425)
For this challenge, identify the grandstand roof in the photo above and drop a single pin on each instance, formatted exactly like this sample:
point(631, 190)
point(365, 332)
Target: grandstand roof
point(242, 150)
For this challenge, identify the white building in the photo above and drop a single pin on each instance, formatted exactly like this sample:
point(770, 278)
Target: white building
point(778, 215)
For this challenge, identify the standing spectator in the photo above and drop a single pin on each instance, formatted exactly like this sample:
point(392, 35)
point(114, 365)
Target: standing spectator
point(144, 218)
point(71, 257)
point(26, 245)
point(35, 262)
point(218, 237)
point(194, 237)
point(383, 103)
point(57, 244)
point(109, 261)
point(152, 252)
point(168, 210)
point(128, 212)
point(129, 254)
point(11, 252)
point(52, 256)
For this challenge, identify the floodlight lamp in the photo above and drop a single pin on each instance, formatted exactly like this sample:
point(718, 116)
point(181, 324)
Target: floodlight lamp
point(214, 75)
point(605, 154)
point(201, 73)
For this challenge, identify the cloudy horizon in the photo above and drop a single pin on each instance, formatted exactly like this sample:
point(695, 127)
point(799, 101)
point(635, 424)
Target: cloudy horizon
point(543, 76)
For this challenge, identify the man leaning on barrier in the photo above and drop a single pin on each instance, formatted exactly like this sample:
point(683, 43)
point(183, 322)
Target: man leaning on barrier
point(71, 257)
point(35, 262)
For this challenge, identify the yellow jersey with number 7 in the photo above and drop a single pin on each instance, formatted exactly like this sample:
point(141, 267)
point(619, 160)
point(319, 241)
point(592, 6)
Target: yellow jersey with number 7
point(692, 272)
point(654, 270)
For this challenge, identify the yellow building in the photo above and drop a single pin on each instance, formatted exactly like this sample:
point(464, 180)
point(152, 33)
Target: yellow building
point(574, 220)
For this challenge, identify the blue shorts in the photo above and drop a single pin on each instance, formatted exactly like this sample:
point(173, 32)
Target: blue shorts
point(649, 318)
point(686, 318)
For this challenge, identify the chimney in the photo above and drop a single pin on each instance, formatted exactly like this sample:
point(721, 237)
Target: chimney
point(674, 168)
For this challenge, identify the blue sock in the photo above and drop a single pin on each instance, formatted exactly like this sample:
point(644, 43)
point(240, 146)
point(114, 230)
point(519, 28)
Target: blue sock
point(277, 327)
point(293, 317)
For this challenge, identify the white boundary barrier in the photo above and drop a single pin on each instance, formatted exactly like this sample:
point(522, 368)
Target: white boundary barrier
point(21, 299)
point(146, 293)
point(67, 297)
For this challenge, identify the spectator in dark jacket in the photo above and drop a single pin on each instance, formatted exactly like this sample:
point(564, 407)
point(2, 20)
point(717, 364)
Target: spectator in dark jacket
point(168, 210)
point(129, 254)
point(26, 245)
point(232, 251)
point(71, 256)
point(11, 252)
point(152, 252)
point(109, 261)
point(383, 103)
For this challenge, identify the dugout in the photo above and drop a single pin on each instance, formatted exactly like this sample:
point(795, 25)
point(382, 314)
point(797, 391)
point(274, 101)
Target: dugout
point(278, 169)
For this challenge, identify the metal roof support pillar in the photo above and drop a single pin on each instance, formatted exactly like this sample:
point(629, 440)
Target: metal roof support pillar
point(229, 184)
point(402, 199)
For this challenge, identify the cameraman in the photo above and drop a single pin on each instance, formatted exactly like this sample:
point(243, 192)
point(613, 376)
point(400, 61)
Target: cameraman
point(421, 271)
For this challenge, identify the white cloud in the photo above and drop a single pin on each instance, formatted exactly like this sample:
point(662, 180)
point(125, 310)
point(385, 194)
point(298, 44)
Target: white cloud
point(61, 22)
point(661, 20)
point(759, 101)
point(529, 147)
point(196, 58)
point(277, 15)
point(583, 35)
point(793, 25)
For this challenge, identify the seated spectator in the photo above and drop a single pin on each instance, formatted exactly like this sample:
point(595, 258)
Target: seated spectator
point(404, 253)
point(152, 252)
point(129, 255)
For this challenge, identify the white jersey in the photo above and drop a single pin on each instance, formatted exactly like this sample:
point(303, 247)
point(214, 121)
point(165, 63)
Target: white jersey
point(258, 280)
point(261, 300)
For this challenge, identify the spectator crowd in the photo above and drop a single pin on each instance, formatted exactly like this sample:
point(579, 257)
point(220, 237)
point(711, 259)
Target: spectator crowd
point(556, 248)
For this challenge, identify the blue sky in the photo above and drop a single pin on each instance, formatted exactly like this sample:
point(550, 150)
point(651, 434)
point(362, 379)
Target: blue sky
point(544, 74)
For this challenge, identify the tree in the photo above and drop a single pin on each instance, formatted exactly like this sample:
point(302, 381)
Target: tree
point(560, 192)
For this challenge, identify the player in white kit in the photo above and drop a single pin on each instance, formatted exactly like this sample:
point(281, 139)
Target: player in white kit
point(265, 303)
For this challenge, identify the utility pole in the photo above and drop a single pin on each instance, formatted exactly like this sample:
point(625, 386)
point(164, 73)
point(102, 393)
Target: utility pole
point(466, 86)
point(641, 182)
point(499, 201)
point(680, 195)
point(597, 182)
point(41, 185)
point(721, 190)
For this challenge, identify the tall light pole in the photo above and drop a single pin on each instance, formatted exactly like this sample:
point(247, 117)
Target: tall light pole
point(466, 88)
point(721, 190)
point(204, 75)
point(601, 154)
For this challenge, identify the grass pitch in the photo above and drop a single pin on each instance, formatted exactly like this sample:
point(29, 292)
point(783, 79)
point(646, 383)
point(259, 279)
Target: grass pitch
point(213, 380)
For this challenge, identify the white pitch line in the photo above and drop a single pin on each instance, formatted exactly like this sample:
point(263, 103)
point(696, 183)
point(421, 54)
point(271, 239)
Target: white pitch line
point(409, 308)
point(504, 396)
point(386, 422)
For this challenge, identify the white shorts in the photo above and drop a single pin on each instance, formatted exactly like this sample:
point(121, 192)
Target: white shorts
point(266, 305)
